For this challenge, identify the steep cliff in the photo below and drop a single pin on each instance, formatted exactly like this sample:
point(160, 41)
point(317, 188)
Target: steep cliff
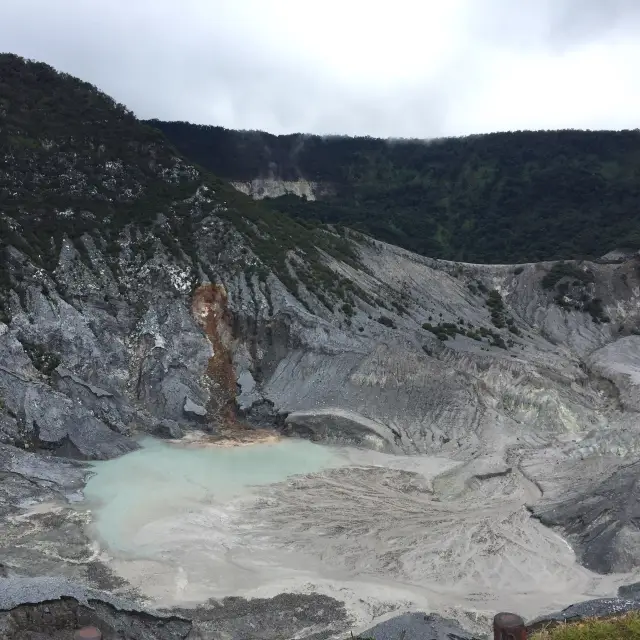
point(140, 294)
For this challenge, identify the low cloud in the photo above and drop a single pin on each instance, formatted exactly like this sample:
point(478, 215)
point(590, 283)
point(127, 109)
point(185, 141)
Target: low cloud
point(408, 69)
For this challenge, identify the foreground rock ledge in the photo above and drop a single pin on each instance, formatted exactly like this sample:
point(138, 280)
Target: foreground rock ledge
point(56, 607)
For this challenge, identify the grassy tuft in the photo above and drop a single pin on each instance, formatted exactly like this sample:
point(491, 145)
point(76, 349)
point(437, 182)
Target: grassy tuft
point(626, 627)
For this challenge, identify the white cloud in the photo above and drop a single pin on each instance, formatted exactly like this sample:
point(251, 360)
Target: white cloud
point(420, 68)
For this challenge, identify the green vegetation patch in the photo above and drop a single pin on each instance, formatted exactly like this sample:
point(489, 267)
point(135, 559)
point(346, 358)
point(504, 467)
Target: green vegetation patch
point(569, 282)
point(445, 330)
point(626, 627)
point(276, 239)
point(596, 310)
point(387, 322)
point(496, 307)
point(566, 270)
point(43, 360)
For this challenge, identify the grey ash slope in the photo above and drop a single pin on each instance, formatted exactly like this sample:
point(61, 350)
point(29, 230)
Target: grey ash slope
point(140, 294)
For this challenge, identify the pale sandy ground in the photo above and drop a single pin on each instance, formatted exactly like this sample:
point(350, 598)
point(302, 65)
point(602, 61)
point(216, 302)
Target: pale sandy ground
point(364, 531)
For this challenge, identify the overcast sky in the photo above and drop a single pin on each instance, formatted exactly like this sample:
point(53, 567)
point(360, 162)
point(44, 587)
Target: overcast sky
point(396, 68)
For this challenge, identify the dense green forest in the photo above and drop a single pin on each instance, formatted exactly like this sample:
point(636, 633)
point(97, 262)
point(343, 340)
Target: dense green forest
point(502, 197)
point(73, 160)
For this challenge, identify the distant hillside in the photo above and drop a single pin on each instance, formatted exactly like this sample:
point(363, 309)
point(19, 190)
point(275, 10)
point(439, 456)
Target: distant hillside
point(502, 197)
point(76, 164)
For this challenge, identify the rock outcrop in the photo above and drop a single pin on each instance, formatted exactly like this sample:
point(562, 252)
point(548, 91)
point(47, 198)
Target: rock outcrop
point(41, 607)
point(261, 188)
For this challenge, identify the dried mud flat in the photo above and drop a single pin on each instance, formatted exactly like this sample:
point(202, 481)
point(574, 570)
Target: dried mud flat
point(381, 533)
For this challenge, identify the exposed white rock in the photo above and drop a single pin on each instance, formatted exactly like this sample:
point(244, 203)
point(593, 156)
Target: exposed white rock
point(191, 407)
point(260, 188)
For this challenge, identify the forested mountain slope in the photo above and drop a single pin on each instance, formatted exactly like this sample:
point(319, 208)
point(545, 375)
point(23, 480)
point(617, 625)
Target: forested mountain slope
point(497, 198)
point(75, 162)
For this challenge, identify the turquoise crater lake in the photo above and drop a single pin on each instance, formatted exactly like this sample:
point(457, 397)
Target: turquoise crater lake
point(162, 480)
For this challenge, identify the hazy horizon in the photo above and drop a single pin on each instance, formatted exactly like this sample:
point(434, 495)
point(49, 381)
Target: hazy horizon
point(411, 70)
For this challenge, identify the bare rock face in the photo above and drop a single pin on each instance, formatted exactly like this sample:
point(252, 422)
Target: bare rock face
point(619, 362)
point(55, 607)
point(599, 608)
point(343, 426)
point(601, 520)
point(417, 626)
point(261, 188)
point(194, 410)
point(168, 429)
